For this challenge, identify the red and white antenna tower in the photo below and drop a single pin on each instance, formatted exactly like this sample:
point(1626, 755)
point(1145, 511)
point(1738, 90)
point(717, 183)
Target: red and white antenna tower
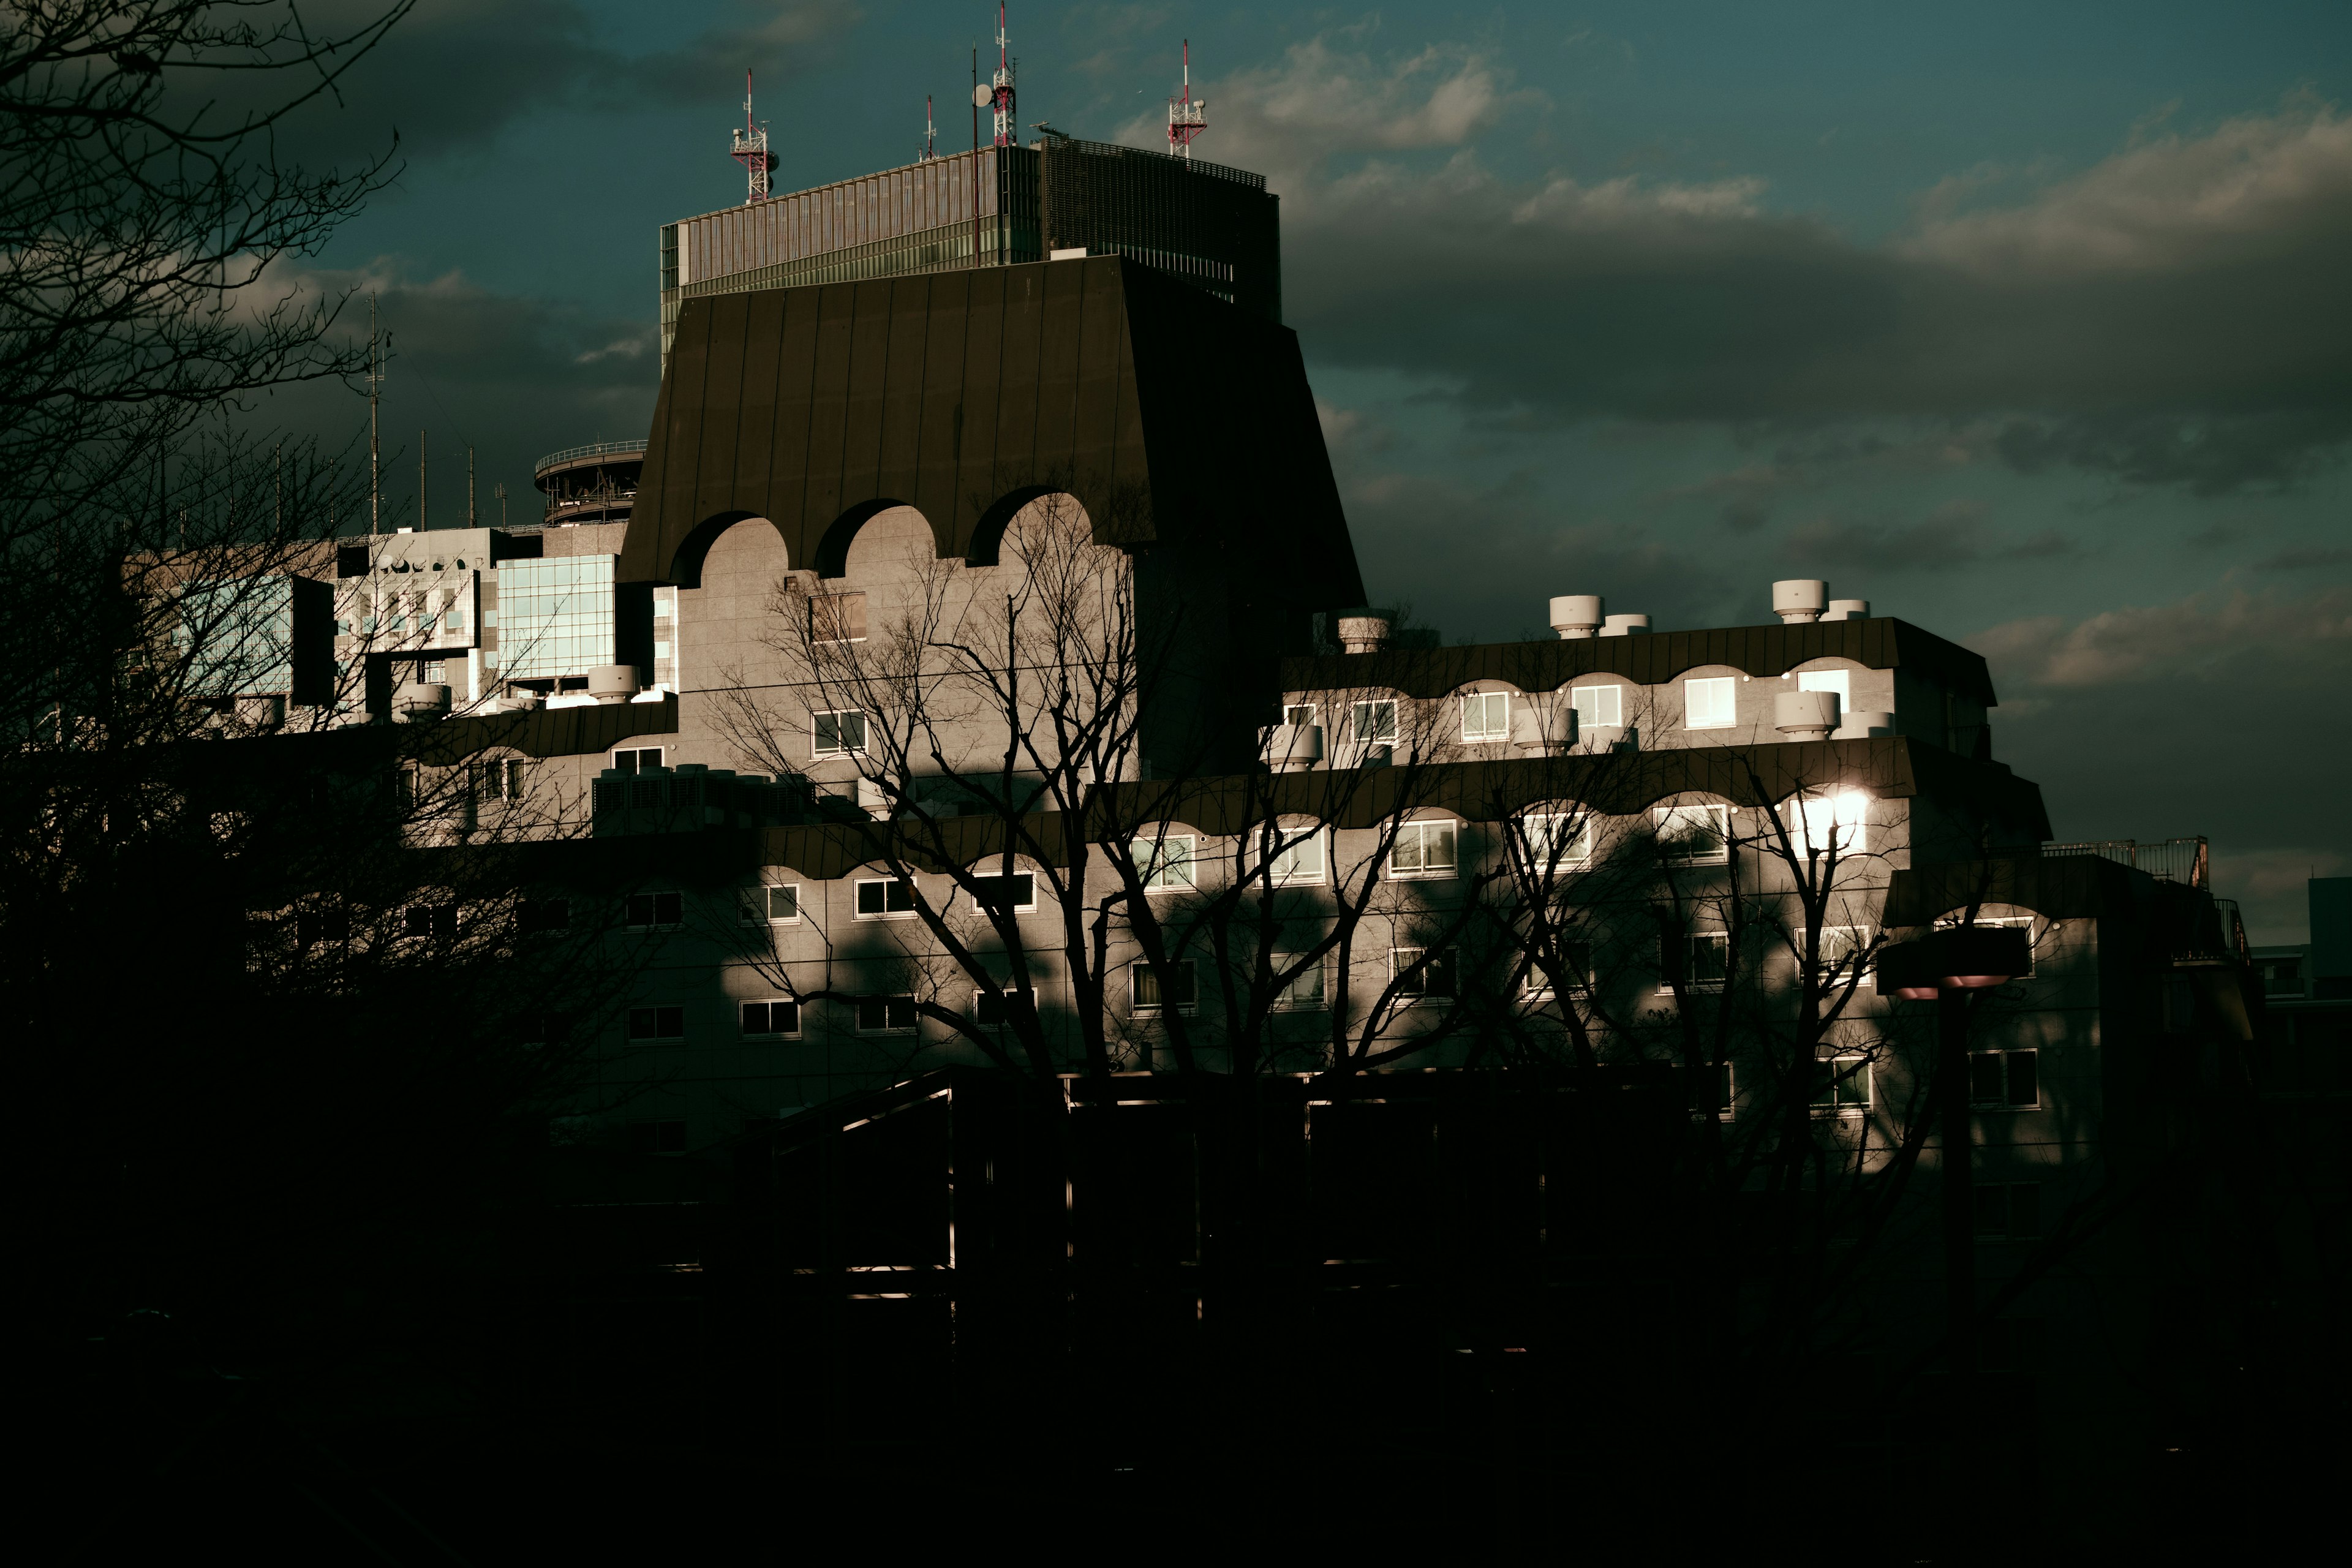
point(750, 148)
point(930, 133)
point(1008, 133)
point(1186, 118)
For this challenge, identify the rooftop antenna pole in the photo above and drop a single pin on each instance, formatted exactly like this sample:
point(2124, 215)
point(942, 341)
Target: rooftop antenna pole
point(980, 95)
point(420, 524)
point(1186, 118)
point(931, 132)
point(469, 486)
point(750, 148)
point(1008, 134)
point(500, 491)
point(375, 443)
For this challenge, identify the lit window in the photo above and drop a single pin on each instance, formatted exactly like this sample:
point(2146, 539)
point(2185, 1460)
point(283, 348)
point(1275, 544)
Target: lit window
point(1598, 705)
point(638, 758)
point(1557, 841)
point(1694, 835)
point(1838, 680)
point(886, 1014)
point(1015, 892)
point(1374, 723)
point(1159, 988)
point(1422, 976)
point(1423, 849)
point(651, 1023)
point(1833, 823)
point(886, 899)
point(1841, 1083)
point(1166, 862)
point(1707, 704)
point(1843, 950)
point(1305, 992)
point(1701, 961)
point(2005, 1079)
point(772, 1017)
point(654, 912)
point(837, 733)
point(1486, 716)
point(778, 904)
point(1297, 861)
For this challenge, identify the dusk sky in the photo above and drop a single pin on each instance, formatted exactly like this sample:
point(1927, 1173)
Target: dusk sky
point(2031, 324)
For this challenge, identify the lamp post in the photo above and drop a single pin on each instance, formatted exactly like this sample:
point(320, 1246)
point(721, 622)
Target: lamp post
point(1945, 965)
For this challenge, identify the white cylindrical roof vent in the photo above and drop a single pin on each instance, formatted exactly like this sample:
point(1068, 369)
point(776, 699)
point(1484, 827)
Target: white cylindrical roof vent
point(1578, 614)
point(613, 682)
point(1292, 748)
point(1797, 600)
point(1619, 625)
point(1861, 726)
point(1805, 715)
point(1363, 634)
point(1848, 610)
point(420, 701)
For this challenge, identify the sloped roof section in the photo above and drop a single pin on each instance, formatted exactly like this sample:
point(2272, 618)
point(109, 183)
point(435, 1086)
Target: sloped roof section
point(1170, 414)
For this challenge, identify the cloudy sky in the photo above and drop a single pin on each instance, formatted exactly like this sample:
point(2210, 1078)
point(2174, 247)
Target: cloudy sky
point(2030, 324)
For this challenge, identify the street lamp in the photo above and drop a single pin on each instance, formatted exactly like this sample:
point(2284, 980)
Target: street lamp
point(1947, 965)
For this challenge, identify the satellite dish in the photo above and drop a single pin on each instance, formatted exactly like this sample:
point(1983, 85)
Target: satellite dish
point(981, 97)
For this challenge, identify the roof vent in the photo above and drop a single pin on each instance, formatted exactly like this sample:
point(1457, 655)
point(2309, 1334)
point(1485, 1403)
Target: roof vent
point(1578, 614)
point(613, 682)
point(1621, 625)
point(1848, 610)
point(421, 702)
point(1805, 715)
point(1800, 600)
point(1363, 634)
point(1863, 725)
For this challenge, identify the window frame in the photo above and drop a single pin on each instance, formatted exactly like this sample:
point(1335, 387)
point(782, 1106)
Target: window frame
point(857, 898)
point(889, 1003)
point(1447, 962)
point(628, 913)
point(1719, 939)
point(1614, 691)
point(1661, 817)
point(636, 756)
point(1285, 999)
point(1356, 711)
point(1730, 685)
point(1856, 939)
point(1028, 908)
point(1838, 680)
point(1852, 837)
point(1486, 734)
point(2008, 1059)
point(743, 1018)
point(1423, 873)
point(1836, 1104)
point(1541, 862)
point(1288, 844)
point(817, 748)
point(980, 998)
point(1536, 986)
point(1155, 875)
point(1291, 711)
point(658, 1014)
point(757, 906)
point(1138, 969)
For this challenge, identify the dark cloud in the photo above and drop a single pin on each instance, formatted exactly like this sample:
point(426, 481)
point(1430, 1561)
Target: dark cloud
point(2175, 315)
point(1954, 534)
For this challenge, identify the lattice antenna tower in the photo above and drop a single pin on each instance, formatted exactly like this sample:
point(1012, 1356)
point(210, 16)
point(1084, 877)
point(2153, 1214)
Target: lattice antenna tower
point(1187, 118)
point(1008, 133)
point(750, 148)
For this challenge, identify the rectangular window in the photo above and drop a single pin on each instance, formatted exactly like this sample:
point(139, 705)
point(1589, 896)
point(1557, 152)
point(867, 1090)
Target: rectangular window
point(1297, 861)
point(772, 1017)
point(1298, 713)
point(993, 1012)
point(838, 733)
point(1166, 862)
point(1827, 823)
point(1423, 849)
point(1694, 835)
point(1160, 988)
point(1598, 705)
point(886, 1014)
point(1305, 992)
point(2008, 1210)
point(648, 1025)
point(1486, 716)
point(654, 912)
point(637, 759)
point(2005, 922)
point(1558, 842)
point(1574, 957)
point(1015, 892)
point(837, 617)
point(777, 904)
point(1708, 704)
point(1374, 723)
point(536, 916)
point(1719, 1090)
point(1841, 1083)
point(1838, 680)
point(2006, 1081)
point(501, 778)
point(1437, 979)
point(1701, 961)
point(657, 1137)
point(1842, 948)
point(891, 899)
point(436, 921)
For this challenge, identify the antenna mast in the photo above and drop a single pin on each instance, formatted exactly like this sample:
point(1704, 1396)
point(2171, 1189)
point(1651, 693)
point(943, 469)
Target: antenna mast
point(420, 524)
point(1008, 134)
point(469, 485)
point(750, 148)
point(1186, 118)
point(375, 443)
point(930, 133)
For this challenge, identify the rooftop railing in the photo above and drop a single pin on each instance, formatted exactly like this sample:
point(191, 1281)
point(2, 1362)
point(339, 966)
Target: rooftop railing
point(592, 449)
point(2182, 860)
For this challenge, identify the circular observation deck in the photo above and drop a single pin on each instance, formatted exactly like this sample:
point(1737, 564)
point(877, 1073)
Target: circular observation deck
point(594, 483)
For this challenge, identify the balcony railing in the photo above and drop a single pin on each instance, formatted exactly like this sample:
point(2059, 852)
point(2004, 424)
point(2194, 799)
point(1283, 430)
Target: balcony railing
point(592, 449)
point(2182, 860)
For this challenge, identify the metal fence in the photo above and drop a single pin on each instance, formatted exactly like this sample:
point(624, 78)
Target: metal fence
point(2182, 860)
